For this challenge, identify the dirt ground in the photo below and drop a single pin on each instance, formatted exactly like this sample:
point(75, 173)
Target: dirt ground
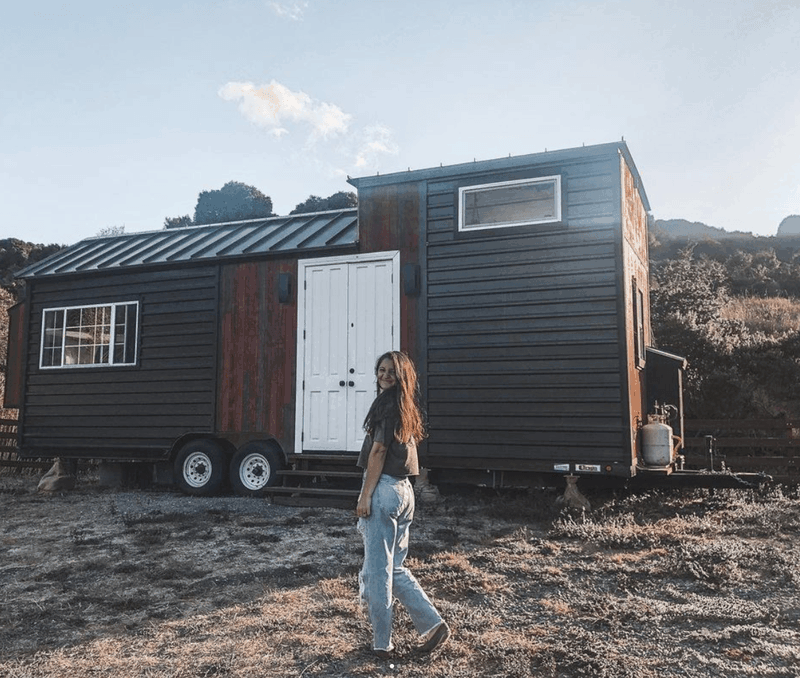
point(112, 582)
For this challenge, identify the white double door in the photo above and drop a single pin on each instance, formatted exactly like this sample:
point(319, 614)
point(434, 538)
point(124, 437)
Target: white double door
point(348, 316)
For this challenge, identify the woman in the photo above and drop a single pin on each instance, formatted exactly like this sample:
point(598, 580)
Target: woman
point(385, 509)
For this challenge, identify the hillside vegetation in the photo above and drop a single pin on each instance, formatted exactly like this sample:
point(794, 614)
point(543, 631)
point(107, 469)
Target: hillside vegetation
point(731, 306)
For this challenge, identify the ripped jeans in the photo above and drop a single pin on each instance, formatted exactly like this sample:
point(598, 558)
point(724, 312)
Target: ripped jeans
point(383, 576)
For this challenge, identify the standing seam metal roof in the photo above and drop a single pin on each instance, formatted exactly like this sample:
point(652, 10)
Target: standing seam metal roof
point(294, 233)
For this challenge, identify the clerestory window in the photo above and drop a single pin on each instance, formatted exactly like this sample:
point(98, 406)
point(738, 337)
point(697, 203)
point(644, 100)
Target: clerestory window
point(510, 203)
point(90, 336)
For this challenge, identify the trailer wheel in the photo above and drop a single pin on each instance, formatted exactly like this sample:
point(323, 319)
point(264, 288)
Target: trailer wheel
point(200, 467)
point(254, 468)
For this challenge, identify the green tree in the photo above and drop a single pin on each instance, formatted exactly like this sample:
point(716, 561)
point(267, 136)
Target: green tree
point(178, 222)
point(235, 201)
point(111, 231)
point(688, 286)
point(337, 201)
point(15, 255)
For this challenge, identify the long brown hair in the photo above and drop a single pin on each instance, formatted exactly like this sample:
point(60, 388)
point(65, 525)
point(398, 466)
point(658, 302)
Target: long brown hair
point(401, 402)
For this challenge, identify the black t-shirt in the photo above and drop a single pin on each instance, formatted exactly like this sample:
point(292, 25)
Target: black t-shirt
point(401, 458)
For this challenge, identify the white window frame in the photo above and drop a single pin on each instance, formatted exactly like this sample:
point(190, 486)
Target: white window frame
point(464, 190)
point(112, 339)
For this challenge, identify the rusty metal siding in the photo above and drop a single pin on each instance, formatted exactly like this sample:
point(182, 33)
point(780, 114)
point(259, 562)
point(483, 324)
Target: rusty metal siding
point(258, 340)
point(127, 411)
point(636, 275)
point(15, 356)
point(523, 353)
point(389, 219)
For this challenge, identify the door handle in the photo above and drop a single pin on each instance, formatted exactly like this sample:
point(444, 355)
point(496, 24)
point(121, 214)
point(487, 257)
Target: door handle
point(351, 383)
point(341, 383)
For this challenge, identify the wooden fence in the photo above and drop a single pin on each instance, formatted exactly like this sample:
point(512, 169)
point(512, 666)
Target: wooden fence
point(755, 445)
point(9, 454)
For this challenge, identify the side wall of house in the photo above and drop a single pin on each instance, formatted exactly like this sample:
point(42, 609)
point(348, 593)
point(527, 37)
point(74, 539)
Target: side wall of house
point(636, 281)
point(126, 412)
point(523, 356)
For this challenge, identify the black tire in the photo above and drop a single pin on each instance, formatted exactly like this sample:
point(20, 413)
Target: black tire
point(200, 467)
point(254, 469)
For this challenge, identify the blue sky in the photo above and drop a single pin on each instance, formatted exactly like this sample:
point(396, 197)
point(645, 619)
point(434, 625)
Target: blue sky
point(119, 114)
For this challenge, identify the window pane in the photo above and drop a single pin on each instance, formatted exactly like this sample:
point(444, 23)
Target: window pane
point(53, 338)
point(509, 205)
point(85, 336)
point(87, 331)
point(130, 334)
point(125, 335)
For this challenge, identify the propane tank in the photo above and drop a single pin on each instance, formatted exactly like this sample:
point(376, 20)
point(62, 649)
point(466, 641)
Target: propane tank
point(657, 444)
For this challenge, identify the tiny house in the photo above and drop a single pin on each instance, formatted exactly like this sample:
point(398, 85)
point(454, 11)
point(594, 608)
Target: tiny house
point(519, 286)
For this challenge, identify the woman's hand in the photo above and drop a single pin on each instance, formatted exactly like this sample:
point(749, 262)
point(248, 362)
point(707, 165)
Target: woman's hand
point(377, 457)
point(364, 505)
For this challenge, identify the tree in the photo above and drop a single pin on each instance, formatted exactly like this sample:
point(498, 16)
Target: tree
point(688, 286)
point(337, 201)
point(178, 222)
point(16, 255)
point(111, 231)
point(235, 201)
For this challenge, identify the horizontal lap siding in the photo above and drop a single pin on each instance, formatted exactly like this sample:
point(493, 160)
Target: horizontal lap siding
point(168, 393)
point(523, 341)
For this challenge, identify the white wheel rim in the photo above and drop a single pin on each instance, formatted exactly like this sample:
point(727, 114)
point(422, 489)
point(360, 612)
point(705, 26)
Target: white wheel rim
point(197, 469)
point(254, 471)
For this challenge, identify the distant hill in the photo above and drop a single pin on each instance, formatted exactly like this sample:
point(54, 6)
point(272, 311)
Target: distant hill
point(668, 236)
point(680, 228)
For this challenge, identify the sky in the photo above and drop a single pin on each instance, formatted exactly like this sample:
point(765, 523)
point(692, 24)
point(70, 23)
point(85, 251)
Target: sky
point(117, 114)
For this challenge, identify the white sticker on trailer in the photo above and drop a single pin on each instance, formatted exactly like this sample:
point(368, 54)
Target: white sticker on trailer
point(587, 468)
point(561, 467)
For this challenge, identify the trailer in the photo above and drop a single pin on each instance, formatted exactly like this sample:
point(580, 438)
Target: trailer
point(518, 285)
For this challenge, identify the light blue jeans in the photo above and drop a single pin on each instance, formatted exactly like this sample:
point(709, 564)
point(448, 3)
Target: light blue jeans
point(383, 576)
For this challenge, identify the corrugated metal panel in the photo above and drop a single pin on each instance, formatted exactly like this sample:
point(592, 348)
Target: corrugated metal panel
point(296, 233)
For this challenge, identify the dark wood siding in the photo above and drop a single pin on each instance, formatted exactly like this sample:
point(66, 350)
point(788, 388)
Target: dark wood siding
point(523, 355)
point(114, 411)
point(258, 345)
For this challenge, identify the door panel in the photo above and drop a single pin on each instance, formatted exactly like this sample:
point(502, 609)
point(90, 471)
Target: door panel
point(369, 335)
point(348, 320)
point(325, 358)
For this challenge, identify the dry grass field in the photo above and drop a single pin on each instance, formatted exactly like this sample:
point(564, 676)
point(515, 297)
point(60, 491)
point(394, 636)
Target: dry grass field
point(771, 316)
point(108, 582)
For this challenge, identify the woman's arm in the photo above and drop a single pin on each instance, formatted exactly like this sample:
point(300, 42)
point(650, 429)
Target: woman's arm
point(375, 462)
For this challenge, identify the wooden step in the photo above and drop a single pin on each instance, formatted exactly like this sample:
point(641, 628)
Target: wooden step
point(313, 456)
point(320, 473)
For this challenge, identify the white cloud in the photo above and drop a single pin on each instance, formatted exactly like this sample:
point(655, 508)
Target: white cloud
point(376, 141)
point(284, 113)
point(274, 104)
point(292, 10)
